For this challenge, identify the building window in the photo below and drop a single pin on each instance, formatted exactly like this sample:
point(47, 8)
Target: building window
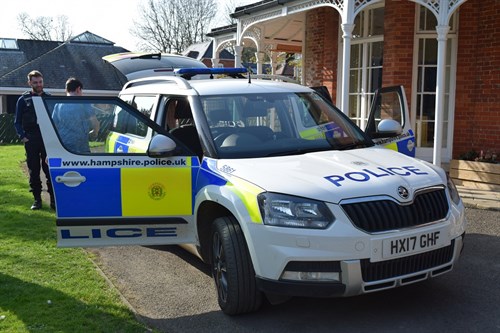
point(426, 73)
point(366, 62)
point(8, 43)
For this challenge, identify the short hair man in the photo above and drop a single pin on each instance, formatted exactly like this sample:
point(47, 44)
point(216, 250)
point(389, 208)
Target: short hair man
point(74, 122)
point(29, 133)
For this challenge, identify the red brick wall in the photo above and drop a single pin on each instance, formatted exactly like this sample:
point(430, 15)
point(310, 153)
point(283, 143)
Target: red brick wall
point(477, 103)
point(321, 44)
point(399, 27)
point(320, 57)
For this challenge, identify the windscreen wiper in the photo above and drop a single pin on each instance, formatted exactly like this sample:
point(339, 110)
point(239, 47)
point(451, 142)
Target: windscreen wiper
point(354, 145)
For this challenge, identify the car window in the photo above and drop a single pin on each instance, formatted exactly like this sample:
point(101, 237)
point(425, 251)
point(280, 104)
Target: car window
point(387, 106)
point(88, 125)
point(144, 104)
point(176, 113)
point(125, 124)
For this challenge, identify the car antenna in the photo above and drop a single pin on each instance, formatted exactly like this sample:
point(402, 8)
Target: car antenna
point(249, 75)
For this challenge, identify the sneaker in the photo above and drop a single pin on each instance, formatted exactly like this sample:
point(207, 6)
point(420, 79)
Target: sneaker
point(37, 204)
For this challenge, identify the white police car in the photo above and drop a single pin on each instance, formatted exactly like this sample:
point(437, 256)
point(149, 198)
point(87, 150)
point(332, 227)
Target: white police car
point(280, 192)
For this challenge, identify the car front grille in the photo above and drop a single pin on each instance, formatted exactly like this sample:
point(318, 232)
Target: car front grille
point(402, 266)
point(384, 215)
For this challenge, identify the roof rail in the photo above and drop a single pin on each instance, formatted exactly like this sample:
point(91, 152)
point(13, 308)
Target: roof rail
point(275, 77)
point(181, 83)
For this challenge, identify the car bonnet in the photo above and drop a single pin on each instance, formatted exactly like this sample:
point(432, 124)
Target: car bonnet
point(332, 176)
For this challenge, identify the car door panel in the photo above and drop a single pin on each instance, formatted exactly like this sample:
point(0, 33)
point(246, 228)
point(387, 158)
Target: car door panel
point(390, 103)
point(113, 198)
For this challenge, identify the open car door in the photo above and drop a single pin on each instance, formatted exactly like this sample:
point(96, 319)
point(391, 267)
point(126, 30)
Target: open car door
point(109, 196)
point(390, 103)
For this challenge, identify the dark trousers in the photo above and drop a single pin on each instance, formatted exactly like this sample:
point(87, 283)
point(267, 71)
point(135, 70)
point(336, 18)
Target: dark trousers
point(36, 160)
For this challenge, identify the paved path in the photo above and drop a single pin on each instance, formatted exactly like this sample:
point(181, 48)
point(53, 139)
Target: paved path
point(172, 291)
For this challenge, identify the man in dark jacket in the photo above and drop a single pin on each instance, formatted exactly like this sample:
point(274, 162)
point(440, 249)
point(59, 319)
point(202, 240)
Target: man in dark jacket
point(28, 131)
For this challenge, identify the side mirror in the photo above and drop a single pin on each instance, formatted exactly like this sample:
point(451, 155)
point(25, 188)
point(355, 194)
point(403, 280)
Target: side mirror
point(161, 146)
point(388, 128)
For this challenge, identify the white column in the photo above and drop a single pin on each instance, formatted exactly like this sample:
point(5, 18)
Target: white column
point(260, 59)
point(215, 62)
point(237, 56)
point(274, 62)
point(347, 29)
point(442, 31)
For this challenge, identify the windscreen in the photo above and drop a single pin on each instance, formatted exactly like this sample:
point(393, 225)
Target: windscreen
point(274, 124)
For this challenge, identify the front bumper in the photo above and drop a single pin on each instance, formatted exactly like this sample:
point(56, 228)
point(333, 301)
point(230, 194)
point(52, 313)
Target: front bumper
point(361, 276)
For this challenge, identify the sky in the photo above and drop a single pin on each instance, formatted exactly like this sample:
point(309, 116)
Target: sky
point(110, 19)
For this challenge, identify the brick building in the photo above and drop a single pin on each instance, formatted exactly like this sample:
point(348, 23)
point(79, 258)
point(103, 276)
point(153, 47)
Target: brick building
point(446, 54)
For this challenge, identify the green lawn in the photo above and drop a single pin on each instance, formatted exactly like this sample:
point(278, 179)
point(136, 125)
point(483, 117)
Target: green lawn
point(44, 288)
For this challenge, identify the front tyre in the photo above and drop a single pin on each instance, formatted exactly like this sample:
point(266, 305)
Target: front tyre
point(232, 268)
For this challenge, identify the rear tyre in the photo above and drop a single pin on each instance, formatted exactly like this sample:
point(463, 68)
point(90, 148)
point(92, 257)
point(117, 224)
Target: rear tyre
point(232, 269)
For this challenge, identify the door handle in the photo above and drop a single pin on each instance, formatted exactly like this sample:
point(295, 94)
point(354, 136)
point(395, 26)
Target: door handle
point(71, 179)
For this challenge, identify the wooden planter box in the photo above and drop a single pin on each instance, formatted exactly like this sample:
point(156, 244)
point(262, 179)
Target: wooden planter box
point(480, 175)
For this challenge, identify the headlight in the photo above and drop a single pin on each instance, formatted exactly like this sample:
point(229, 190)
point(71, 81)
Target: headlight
point(453, 190)
point(294, 212)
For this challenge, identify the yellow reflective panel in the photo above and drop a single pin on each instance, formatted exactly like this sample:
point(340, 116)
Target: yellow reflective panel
point(109, 146)
point(312, 134)
point(393, 146)
point(247, 192)
point(156, 191)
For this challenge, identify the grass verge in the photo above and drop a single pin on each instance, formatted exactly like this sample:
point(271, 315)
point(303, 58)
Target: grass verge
point(44, 288)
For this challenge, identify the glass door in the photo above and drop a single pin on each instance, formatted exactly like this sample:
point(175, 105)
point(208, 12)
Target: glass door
point(424, 86)
point(367, 48)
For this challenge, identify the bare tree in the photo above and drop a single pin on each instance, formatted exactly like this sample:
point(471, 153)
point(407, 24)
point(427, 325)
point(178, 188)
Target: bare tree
point(172, 25)
point(45, 27)
point(228, 8)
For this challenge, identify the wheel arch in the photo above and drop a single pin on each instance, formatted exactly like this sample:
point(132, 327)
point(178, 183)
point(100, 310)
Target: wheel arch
point(207, 212)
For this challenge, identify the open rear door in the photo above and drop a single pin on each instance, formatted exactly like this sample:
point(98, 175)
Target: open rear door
point(107, 196)
point(390, 103)
point(138, 65)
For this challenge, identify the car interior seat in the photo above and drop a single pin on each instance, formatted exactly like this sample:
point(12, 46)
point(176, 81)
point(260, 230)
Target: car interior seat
point(253, 110)
point(186, 132)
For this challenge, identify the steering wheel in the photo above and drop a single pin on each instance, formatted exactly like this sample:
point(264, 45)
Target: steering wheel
point(219, 139)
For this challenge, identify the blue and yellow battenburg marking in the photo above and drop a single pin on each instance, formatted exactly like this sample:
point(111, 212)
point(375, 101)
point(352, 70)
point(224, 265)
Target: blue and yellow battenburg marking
point(324, 131)
point(118, 143)
point(244, 190)
point(127, 191)
point(404, 144)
